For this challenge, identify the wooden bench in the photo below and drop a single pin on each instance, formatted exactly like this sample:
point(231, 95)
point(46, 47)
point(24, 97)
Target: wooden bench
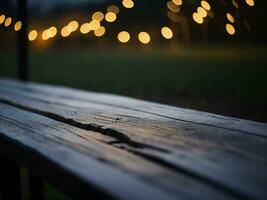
point(101, 146)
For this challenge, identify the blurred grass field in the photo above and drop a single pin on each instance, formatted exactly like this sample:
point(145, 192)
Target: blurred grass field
point(224, 80)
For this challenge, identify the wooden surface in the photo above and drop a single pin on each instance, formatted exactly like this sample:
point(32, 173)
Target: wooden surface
point(130, 149)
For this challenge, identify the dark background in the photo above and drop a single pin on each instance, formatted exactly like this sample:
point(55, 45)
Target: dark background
point(206, 69)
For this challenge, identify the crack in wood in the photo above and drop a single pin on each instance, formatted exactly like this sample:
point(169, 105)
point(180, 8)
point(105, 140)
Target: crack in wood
point(124, 142)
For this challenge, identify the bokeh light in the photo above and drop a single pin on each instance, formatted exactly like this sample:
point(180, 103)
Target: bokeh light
point(230, 18)
point(110, 17)
point(8, 21)
point(250, 2)
point(230, 29)
point(202, 12)
point(197, 18)
point(166, 32)
point(17, 26)
point(205, 5)
point(99, 16)
point(32, 35)
point(73, 25)
point(100, 31)
point(128, 3)
point(124, 36)
point(144, 37)
point(177, 2)
point(85, 28)
point(65, 31)
point(2, 19)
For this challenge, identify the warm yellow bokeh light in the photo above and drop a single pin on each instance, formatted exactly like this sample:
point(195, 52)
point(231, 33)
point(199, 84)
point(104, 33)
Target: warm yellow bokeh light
point(8, 21)
point(197, 18)
point(65, 31)
point(94, 25)
point(46, 34)
point(144, 37)
point(128, 3)
point(17, 26)
point(2, 18)
point(85, 28)
point(73, 25)
point(230, 17)
point(205, 5)
point(32, 35)
point(230, 29)
point(173, 7)
point(99, 16)
point(110, 17)
point(114, 9)
point(52, 31)
point(202, 12)
point(177, 2)
point(167, 32)
point(250, 2)
point(124, 36)
point(100, 31)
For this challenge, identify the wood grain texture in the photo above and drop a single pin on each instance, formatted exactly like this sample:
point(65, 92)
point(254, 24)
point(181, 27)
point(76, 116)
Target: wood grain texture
point(228, 153)
point(170, 112)
point(34, 139)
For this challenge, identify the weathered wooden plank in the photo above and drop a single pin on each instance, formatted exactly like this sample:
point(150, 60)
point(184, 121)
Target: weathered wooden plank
point(59, 151)
point(170, 112)
point(224, 156)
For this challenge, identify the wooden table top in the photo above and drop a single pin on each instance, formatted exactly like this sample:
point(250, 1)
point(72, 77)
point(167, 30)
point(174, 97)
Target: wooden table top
point(126, 148)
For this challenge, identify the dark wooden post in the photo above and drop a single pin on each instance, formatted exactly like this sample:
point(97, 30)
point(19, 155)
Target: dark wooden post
point(36, 187)
point(22, 41)
point(9, 180)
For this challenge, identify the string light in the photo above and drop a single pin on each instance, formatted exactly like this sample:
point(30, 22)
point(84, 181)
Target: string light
point(230, 29)
point(166, 32)
point(8, 21)
point(49, 33)
point(100, 31)
point(45, 34)
point(177, 2)
point(250, 2)
point(124, 36)
point(85, 28)
point(128, 3)
point(110, 17)
point(32, 35)
point(65, 31)
point(17, 26)
point(144, 37)
point(202, 12)
point(53, 31)
point(197, 18)
point(73, 25)
point(2, 19)
point(99, 16)
point(230, 17)
point(94, 25)
point(205, 5)
point(173, 5)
